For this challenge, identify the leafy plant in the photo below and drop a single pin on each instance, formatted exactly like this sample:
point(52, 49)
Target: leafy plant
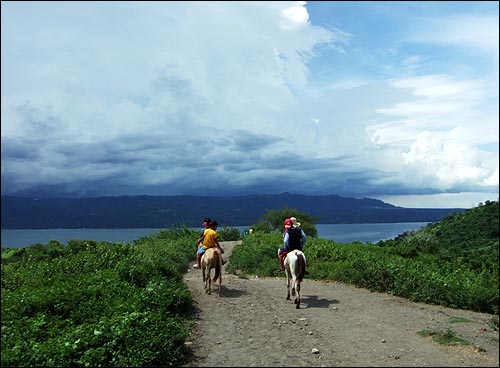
point(442, 275)
point(229, 234)
point(98, 303)
point(272, 221)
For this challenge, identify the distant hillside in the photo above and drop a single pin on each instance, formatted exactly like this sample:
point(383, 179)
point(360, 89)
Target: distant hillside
point(471, 237)
point(165, 211)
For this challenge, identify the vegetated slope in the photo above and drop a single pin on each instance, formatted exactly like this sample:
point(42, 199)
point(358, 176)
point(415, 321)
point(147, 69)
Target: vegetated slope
point(471, 237)
point(453, 263)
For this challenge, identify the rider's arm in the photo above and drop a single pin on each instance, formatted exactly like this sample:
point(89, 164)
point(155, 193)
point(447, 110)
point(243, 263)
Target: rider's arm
point(217, 244)
point(200, 239)
point(285, 240)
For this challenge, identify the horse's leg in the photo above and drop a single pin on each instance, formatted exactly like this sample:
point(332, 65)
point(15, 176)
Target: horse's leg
point(288, 277)
point(293, 269)
point(220, 285)
point(301, 266)
point(219, 265)
point(209, 291)
point(220, 282)
point(207, 281)
point(203, 269)
point(297, 298)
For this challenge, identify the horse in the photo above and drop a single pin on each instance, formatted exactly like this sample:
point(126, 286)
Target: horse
point(295, 268)
point(211, 259)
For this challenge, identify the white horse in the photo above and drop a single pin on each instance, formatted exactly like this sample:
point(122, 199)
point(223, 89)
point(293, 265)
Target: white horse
point(295, 268)
point(211, 259)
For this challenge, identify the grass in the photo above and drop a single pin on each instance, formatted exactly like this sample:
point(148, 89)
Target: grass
point(459, 320)
point(448, 337)
point(423, 278)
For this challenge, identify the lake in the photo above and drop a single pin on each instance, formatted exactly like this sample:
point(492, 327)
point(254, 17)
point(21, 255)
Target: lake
point(343, 233)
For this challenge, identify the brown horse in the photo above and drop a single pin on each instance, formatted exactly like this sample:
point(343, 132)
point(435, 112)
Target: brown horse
point(211, 259)
point(295, 268)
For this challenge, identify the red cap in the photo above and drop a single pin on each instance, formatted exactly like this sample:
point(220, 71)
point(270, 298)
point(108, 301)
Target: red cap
point(288, 223)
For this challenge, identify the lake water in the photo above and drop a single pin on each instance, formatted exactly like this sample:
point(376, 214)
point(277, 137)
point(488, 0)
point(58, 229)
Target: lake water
point(365, 233)
point(343, 233)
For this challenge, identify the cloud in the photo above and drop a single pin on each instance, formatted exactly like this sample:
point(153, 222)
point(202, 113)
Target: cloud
point(295, 15)
point(226, 98)
point(439, 133)
point(446, 163)
point(478, 32)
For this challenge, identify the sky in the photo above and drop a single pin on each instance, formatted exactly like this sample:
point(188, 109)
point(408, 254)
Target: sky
point(390, 100)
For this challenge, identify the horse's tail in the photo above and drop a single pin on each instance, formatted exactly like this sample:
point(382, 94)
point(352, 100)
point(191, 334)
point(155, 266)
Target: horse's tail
point(218, 266)
point(302, 267)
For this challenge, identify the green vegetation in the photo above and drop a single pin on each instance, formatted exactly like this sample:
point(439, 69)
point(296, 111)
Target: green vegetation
point(469, 237)
point(444, 338)
point(97, 303)
point(272, 221)
point(452, 263)
point(112, 304)
point(459, 320)
point(228, 233)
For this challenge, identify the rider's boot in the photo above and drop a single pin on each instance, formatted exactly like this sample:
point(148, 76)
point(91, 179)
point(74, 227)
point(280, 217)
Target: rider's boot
point(282, 265)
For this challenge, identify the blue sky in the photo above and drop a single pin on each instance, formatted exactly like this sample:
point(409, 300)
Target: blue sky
point(389, 100)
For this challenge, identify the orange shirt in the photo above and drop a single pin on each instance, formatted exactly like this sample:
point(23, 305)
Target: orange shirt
point(210, 238)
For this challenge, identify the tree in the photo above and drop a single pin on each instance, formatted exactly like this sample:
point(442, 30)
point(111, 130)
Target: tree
point(273, 220)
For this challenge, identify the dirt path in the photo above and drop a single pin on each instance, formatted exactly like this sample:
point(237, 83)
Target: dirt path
point(253, 325)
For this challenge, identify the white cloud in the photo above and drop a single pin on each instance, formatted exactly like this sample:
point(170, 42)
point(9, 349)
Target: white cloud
point(296, 15)
point(474, 31)
point(441, 200)
point(448, 107)
point(448, 164)
point(442, 86)
point(492, 181)
point(155, 94)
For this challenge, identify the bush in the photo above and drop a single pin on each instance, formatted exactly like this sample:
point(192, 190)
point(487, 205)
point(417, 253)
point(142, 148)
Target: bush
point(425, 278)
point(272, 221)
point(98, 303)
point(229, 234)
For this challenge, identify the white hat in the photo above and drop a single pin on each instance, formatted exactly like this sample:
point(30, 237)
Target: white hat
point(295, 222)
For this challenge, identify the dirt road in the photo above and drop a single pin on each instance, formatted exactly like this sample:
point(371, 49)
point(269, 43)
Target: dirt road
point(253, 325)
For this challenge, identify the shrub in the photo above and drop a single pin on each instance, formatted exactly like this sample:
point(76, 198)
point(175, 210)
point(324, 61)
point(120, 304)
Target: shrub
point(229, 234)
point(98, 303)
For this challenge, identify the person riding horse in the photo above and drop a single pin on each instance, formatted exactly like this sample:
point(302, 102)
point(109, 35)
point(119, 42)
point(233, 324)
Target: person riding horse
point(209, 239)
point(293, 238)
point(199, 242)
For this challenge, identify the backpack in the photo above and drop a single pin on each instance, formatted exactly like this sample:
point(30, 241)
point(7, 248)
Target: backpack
point(294, 238)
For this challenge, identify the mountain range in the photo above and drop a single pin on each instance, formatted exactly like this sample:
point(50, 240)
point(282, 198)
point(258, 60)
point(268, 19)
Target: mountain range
point(167, 211)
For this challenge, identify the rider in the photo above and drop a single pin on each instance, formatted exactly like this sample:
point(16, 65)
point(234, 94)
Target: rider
point(199, 241)
point(288, 224)
point(210, 239)
point(293, 238)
